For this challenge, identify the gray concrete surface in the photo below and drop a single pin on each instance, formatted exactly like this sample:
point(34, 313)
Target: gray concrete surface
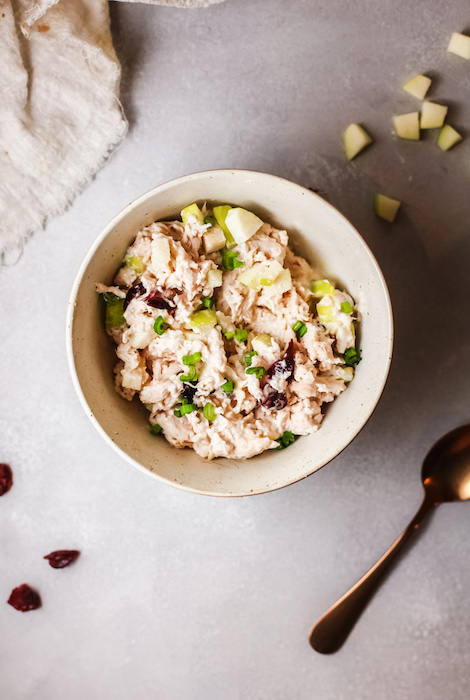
point(181, 597)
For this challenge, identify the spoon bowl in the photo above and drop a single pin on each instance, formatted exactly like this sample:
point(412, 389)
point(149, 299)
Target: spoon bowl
point(446, 468)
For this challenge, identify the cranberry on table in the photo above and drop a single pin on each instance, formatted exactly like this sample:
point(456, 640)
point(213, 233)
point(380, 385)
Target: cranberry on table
point(62, 558)
point(6, 478)
point(24, 598)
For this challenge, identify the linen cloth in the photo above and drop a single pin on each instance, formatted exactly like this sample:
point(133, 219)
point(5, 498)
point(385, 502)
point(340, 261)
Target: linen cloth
point(60, 115)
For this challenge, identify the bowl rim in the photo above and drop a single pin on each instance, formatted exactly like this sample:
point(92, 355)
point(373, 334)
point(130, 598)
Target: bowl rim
point(69, 342)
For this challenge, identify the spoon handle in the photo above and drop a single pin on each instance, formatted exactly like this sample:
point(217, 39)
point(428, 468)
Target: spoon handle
point(332, 630)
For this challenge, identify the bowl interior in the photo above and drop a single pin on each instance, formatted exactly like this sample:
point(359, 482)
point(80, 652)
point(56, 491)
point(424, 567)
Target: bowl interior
point(319, 233)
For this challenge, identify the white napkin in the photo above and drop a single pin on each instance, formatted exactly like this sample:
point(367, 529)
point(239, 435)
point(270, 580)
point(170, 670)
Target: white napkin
point(60, 115)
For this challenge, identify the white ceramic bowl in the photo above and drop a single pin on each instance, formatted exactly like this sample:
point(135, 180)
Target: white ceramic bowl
point(318, 232)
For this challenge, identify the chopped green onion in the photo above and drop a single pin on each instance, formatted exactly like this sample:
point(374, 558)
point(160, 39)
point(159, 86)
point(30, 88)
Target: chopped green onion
point(228, 387)
point(207, 302)
point(229, 260)
point(346, 307)
point(257, 371)
point(299, 329)
point(149, 406)
point(229, 335)
point(351, 357)
point(187, 408)
point(160, 326)
point(210, 220)
point(184, 400)
point(191, 376)
point(249, 357)
point(286, 439)
point(177, 413)
point(114, 311)
point(241, 335)
point(192, 359)
point(155, 429)
point(209, 412)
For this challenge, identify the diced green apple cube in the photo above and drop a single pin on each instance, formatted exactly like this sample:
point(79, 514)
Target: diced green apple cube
point(207, 318)
point(345, 373)
point(242, 224)
point(282, 283)
point(448, 137)
point(192, 210)
point(385, 207)
point(460, 45)
point(261, 342)
point(214, 278)
point(417, 86)
point(320, 288)
point(356, 139)
point(161, 254)
point(407, 126)
point(214, 239)
point(432, 115)
point(220, 214)
point(260, 275)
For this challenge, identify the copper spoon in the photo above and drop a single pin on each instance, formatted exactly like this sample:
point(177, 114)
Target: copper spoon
point(446, 478)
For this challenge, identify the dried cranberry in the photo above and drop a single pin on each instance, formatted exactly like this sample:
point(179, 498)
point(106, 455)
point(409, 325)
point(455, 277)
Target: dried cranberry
point(62, 558)
point(6, 478)
point(137, 290)
point(158, 300)
point(24, 598)
point(275, 400)
point(284, 366)
point(188, 392)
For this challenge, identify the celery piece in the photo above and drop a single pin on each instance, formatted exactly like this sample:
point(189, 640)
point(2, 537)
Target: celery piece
point(136, 263)
point(325, 313)
point(192, 210)
point(321, 288)
point(114, 312)
point(204, 318)
point(220, 214)
point(346, 307)
point(229, 335)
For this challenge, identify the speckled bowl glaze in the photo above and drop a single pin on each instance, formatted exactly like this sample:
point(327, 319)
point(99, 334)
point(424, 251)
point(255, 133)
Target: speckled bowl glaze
point(319, 233)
